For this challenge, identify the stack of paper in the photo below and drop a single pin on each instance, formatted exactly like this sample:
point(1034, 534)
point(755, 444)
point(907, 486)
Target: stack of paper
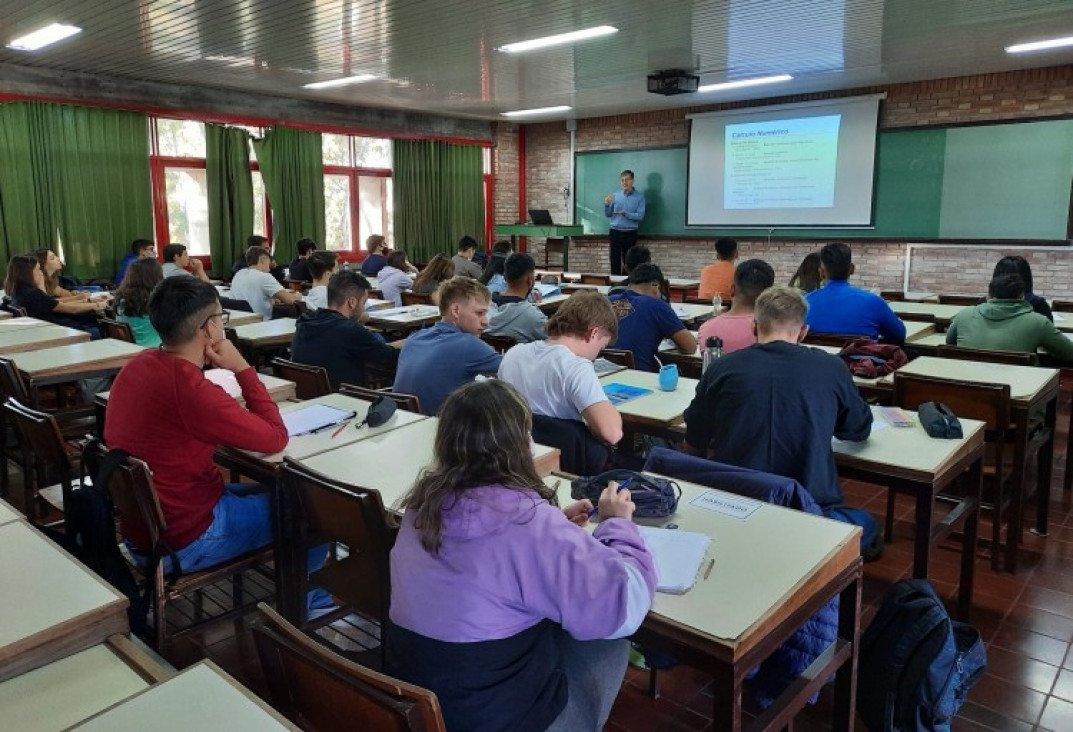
point(314, 418)
point(678, 556)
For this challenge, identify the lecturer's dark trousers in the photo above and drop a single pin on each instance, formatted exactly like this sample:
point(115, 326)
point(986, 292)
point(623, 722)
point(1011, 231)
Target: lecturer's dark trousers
point(621, 241)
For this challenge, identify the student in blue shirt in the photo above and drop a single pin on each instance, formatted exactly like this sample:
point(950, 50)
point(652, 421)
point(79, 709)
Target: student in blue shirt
point(626, 209)
point(437, 360)
point(838, 307)
point(644, 319)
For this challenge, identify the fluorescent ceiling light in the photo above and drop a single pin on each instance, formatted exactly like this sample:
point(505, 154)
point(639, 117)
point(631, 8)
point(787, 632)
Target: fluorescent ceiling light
point(539, 110)
point(558, 40)
point(44, 37)
point(744, 83)
point(345, 81)
point(1040, 45)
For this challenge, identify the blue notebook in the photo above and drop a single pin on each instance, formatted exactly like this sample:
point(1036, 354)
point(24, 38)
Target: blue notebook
point(619, 393)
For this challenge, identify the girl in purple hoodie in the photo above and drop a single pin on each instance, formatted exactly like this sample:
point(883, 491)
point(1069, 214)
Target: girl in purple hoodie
point(501, 603)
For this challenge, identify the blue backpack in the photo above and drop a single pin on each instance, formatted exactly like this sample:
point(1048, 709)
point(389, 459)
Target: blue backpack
point(916, 665)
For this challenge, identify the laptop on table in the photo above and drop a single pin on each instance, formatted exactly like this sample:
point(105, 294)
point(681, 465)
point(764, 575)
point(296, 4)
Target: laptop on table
point(541, 217)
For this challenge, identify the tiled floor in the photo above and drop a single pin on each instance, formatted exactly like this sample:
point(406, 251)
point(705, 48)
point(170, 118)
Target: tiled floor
point(1026, 619)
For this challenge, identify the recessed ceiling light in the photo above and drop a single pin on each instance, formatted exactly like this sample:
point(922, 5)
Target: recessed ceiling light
point(557, 40)
point(44, 37)
point(744, 83)
point(1040, 45)
point(345, 81)
point(538, 110)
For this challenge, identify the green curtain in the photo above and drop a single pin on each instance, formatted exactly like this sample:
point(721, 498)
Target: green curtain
point(75, 179)
point(230, 191)
point(292, 167)
point(439, 196)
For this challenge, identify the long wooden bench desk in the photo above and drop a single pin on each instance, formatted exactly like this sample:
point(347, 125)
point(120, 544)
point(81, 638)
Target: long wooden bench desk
point(772, 571)
point(75, 361)
point(655, 412)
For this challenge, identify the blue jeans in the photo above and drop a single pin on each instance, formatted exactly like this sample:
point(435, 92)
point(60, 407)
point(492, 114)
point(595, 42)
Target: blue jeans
point(242, 522)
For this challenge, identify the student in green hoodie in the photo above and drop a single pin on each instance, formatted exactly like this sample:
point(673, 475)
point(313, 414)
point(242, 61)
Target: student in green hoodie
point(1006, 322)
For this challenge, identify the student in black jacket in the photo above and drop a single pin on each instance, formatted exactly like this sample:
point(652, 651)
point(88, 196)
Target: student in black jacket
point(334, 337)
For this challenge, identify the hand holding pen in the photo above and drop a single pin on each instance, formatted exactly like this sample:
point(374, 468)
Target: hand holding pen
point(615, 502)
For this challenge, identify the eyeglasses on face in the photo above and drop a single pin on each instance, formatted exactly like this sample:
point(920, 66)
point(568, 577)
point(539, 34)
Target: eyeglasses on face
point(223, 315)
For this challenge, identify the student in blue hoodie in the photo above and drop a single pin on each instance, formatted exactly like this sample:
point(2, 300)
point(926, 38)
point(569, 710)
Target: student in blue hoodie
point(334, 337)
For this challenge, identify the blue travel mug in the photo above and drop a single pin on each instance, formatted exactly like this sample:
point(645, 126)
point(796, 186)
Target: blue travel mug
point(668, 377)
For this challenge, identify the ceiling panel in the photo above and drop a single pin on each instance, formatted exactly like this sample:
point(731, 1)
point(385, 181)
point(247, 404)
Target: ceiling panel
point(440, 56)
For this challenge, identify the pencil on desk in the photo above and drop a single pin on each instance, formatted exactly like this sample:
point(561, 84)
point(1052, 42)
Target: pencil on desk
point(708, 571)
point(341, 428)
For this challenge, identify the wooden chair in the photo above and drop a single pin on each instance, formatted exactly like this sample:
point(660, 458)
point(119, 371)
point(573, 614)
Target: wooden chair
point(296, 285)
point(621, 357)
point(134, 496)
point(407, 402)
point(554, 246)
point(838, 340)
point(1014, 358)
point(892, 296)
point(232, 304)
point(339, 514)
point(116, 329)
point(918, 317)
point(1062, 306)
point(690, 367)
point(319, 690)
point(501, 344)
point(596, 279)
point(294, 310)
point(413, 298)
point(310, 382)
point(959, 300)
point(8, 306)
point(45, 452)
point(988, 403)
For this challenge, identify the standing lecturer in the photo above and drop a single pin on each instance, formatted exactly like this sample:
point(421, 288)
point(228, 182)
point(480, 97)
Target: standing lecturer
point(626, 209)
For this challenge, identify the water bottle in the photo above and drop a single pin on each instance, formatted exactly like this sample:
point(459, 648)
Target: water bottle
point(717, 305)
point(713, 349)
point(346, 266)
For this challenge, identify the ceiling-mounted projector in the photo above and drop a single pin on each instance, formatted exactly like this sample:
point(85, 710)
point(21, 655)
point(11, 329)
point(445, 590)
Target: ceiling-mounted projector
point(672, 82)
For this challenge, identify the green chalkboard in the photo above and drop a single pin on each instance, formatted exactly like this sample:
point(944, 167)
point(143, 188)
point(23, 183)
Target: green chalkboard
point(1001, 181)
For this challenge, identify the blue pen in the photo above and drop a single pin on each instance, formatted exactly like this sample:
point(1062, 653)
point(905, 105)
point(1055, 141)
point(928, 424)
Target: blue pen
point(625, 485)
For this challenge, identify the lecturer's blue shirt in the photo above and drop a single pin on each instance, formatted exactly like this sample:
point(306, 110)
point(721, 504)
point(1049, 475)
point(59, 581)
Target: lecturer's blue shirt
point(837, 307)
point(632, 207)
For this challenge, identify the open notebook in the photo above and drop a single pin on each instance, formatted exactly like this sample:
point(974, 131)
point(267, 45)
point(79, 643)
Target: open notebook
point(678, 556)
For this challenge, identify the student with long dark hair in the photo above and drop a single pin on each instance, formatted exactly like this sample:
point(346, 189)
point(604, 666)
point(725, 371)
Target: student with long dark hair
point(1019, 266)
point(808, 276)
point(132, 300)
point(531, 612)
point(438, 270)
point(25, 285)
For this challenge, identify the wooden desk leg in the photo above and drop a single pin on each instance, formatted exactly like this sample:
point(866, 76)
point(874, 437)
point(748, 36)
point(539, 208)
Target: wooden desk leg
point(922, 549)
point(1044, 468)
point(1017, 499)
point(968, 543)
point(849, 628)
point(727, 691)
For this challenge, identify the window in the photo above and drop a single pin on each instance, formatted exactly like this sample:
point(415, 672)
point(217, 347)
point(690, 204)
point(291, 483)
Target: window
point(357, 190)
point(261, 223)
point(374, 208)
point(180, 138)
point(188, 208)
point(338, 229)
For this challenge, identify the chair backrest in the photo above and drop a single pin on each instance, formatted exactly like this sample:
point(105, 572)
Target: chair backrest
point(619, 356)
point(595, 279)
point(320, 690)
point(294, 310)
point(918, 317)
point(116, 329)
point(12, 384)
point(39, 431)
point(838, 340)
point(1014, 358)
point(413, 298)
point(133, 493)
point(1062, 306)
point(409, 402)
point(989, 403)
point(892, 295)
point(232, 304)
point(959, 299)
point(690, 367)
point(501, 344)
point(310, 382)
point(334, 512)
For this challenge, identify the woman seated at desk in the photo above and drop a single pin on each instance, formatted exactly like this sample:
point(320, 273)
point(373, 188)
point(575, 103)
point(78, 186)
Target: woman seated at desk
point(25, 284)
point(531, 612)
point(438, 270)
point(132, 300)
point(52, 265)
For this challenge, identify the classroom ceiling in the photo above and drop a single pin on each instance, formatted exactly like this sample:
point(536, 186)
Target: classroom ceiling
point(440, 56)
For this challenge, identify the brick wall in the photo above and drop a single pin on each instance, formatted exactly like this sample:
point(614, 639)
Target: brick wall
point(506, 172)
point(952, 269)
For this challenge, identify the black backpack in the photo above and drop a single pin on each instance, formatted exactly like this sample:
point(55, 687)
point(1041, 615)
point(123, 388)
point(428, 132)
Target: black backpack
point(916, 665)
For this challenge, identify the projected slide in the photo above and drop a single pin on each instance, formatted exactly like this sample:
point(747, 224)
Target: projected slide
point(790, 163)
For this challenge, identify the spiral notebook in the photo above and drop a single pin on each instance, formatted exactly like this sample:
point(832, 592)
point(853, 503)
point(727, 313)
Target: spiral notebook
point(678, 555)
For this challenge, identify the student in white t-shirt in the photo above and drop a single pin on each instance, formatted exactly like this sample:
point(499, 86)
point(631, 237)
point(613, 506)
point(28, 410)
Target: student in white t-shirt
point(321, 268)
point(557, 376)
point(256, 286)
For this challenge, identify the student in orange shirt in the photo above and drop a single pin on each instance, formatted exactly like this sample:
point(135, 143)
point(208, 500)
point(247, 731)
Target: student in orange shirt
point(716, 279)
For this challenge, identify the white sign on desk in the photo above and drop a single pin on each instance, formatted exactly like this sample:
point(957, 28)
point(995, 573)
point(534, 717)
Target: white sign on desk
point(733, 506)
